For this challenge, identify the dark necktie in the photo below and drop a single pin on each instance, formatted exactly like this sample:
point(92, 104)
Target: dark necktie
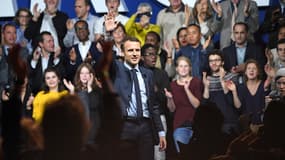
point(137, 92)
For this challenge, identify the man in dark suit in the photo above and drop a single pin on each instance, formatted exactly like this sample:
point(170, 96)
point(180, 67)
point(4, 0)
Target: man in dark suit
point(241, 50)
point(84, 51)
point(44, 56)
point(141, 115)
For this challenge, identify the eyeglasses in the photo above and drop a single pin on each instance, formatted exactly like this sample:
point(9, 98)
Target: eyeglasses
point(24, 16)
point(150, 54)
point(214, 60)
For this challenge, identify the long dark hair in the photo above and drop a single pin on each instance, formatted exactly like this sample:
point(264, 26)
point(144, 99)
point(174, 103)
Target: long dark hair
point(60, 85)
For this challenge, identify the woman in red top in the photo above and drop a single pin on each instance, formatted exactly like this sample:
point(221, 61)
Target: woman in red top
point(184, 98)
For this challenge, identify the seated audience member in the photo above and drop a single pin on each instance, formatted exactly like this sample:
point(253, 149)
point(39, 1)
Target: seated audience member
point(51, 20)
point(241, 50)
point(84, 51)
point(162, 56)
point(143, 26)
point(82, 10)
point(118, 34)
point(86, 86)
point(44, 56)
point(215, 91)
point(52, 90)
point(22, 19)
point(113, 13)
point(234, 11)
point(194, 50)
point(208, 19)
point(183, 99)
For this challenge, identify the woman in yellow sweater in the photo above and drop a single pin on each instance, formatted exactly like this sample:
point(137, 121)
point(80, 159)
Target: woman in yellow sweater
point(52, 90)
point(141, 28)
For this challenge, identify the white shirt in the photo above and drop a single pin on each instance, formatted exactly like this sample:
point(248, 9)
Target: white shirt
point(84, 49)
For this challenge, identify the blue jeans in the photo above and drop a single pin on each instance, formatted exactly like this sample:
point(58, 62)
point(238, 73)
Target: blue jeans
point(182, 135)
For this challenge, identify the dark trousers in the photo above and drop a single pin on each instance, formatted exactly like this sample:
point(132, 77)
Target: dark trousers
point(137, 140)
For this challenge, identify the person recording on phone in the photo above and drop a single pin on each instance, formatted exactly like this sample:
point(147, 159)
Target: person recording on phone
point(279, 93)
point(44, 56)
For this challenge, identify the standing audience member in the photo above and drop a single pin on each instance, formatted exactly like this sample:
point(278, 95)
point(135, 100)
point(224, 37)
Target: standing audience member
point(160, 79)
point(234, 11)
point(274, 18)
point(22, 19)
point(241, 50)
point(82, 10)
point(215, 91)
point(183, 99)
point(181, 39)
point(208, 19)
point(279, 61)
point(84, 51)
point(44, 56)
point(52, 90)
point(51, 20)
point(279, 92)
point(118, 34)
point(143, 26)
point(87, 88)
point(113, 13)
point(162, 56)
point(194, 50)
point(173, 17)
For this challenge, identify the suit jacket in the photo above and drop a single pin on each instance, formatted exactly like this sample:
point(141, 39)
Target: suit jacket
point(251, 20)
point(36, 75)
point(252, 52)
point(123, 85)
point(71, 68)
point(34, 28)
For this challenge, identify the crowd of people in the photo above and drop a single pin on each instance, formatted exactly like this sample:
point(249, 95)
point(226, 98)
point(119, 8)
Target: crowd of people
point(118, 87)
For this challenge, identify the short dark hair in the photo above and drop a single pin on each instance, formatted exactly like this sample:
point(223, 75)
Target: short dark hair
point(216, 52)
point(18, 14)
point(241, 23)
point(81, 21)
point(128, 38)
point(179, 30)
point(194, 25)
point(155, 34)
point(42, 34)
point(147, 46)
point(281, 41)
point(9, 24)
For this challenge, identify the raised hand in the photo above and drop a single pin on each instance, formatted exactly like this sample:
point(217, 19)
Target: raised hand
point(36, 12)
point(90, 82)
point(69, 86)
point(269, 56)
point(37, 54)
point(30, 102)
point(231, 85)
point(206, 82)
point(57, 52)
point(69, 24)
point(187, 14)
point(246, 8)
point(167, 93)
point(207, 42)
point(110, 23)
point(217, 8)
